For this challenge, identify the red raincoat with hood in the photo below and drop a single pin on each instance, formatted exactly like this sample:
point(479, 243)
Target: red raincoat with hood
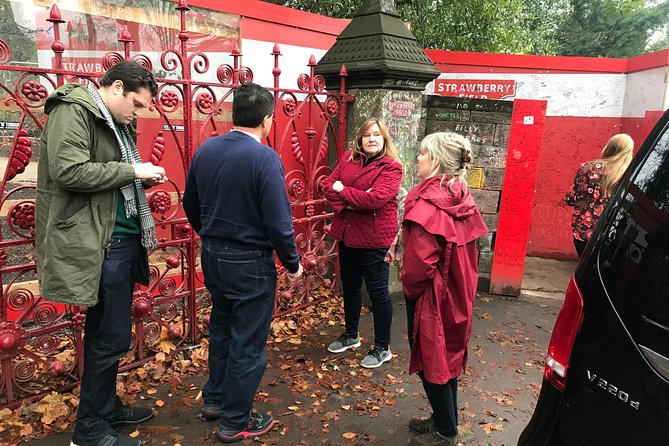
point(439, 231)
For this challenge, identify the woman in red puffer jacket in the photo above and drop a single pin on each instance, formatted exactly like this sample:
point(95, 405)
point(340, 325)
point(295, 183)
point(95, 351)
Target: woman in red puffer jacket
point(363, 191)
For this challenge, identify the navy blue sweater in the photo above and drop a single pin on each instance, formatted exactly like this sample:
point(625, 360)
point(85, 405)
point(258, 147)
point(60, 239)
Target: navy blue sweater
point(235, 193)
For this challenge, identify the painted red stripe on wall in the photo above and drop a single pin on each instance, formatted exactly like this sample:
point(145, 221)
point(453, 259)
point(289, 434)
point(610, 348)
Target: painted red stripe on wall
point(512, 70)
point(535, 63)
point(268, 12)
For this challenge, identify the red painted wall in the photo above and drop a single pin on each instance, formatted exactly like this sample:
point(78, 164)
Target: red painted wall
point(568, 139)
point(567, 142)
point(461, 62)
point(520, 179)
point(268, 22)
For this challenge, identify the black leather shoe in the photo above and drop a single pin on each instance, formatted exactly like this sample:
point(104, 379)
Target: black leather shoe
point(210, 412)
point(131, 415)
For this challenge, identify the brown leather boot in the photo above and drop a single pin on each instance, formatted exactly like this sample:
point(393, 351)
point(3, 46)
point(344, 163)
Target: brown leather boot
point(421, 425)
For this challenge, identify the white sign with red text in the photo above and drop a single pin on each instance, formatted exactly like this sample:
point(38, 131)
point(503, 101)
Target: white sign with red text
point(476, 88)
point(568, 94)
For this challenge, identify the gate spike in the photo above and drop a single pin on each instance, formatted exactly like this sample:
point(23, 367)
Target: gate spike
point(54, 15)
point(125, 35)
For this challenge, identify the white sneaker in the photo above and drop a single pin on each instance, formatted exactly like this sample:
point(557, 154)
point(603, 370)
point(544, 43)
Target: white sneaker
point(343, 343)
point(376, 357)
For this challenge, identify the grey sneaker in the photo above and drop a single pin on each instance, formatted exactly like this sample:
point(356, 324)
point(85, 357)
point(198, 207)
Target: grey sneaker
point(344, 342)
point(433, 438)
point(422, 425)
point(376, 357)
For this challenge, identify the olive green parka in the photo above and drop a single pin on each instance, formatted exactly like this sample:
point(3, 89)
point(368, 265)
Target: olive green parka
point(79, 173)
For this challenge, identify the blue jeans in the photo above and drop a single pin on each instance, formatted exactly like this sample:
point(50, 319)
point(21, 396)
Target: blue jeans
point(358, 264)
point(107, 336)
point(242, 284)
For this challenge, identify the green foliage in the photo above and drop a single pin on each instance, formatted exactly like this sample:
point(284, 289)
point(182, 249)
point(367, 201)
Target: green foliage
point(21, 41)
point(607, 28)
point(504, 26)
point(661, 43)
point(511, 26)
point(341, 9)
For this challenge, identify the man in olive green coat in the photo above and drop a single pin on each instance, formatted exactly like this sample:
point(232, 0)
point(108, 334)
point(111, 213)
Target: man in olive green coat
point(92, 231)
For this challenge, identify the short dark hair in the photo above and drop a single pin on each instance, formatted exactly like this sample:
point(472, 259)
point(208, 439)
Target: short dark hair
point(133, 75)
point(250, 105)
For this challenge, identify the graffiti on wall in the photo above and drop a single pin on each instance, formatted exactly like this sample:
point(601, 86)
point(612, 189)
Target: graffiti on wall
point(515, 215)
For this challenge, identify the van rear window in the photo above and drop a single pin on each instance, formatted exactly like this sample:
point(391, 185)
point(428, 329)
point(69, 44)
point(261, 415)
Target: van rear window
point(634, 256)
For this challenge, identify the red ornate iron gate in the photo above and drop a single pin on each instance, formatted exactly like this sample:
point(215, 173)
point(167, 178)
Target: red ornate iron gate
point(41, 342)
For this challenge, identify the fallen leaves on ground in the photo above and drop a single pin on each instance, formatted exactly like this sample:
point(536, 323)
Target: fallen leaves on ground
point(489, 427)
point(324, 389)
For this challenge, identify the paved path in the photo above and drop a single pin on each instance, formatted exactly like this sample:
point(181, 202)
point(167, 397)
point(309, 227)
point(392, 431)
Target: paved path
point(496, 395)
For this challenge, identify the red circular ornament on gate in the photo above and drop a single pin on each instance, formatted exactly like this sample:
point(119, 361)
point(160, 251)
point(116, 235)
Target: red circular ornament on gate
point(12, 339)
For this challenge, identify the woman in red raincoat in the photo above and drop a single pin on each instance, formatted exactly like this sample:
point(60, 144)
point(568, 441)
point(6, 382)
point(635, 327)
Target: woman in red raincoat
point(439, 277)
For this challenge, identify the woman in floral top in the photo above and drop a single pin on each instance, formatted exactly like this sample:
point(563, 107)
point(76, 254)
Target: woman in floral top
point(593, 184)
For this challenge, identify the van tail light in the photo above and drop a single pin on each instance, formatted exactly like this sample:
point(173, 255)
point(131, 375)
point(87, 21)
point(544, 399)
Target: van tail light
point(564, 334)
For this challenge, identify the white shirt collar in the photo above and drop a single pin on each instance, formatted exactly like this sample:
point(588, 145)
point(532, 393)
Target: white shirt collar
point(247, 133)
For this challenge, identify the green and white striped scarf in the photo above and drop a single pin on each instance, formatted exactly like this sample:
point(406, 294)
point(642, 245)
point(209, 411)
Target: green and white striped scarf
point(130, 155)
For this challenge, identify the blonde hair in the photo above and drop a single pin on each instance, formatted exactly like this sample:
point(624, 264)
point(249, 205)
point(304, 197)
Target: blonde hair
point(388, 148)
point(616, 157)
point(452, 153)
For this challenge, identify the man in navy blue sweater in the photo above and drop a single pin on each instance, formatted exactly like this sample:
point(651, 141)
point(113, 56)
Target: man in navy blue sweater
point(235, 198)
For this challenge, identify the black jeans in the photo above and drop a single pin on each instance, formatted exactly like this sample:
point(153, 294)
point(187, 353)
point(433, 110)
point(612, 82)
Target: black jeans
point(242, 286)
point(443, 397)
point(107, 335)
point(444, 401)
point(358, 264)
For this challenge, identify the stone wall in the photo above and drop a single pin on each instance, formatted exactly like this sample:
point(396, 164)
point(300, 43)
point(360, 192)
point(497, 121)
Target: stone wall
point(487, 124)
point(401, 111)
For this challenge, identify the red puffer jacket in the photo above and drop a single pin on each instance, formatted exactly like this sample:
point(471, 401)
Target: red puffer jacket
point(366, 210)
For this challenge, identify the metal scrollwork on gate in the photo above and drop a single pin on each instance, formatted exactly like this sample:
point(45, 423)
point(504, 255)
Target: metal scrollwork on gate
point(41, 342)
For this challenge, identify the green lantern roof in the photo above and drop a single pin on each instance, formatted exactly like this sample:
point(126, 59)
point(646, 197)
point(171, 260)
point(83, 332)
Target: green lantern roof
point(378, 51)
